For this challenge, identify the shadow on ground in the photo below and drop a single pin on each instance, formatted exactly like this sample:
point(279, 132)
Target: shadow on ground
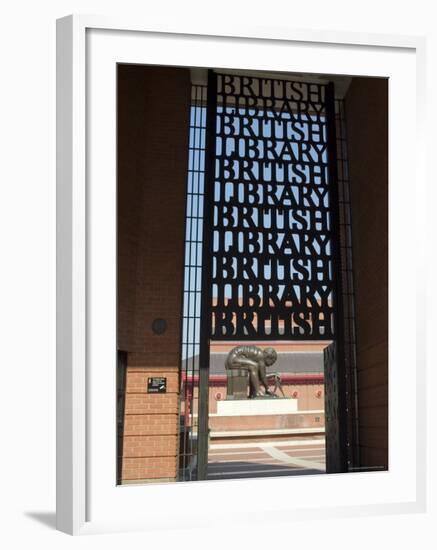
point(45, 518)
point(241, 470)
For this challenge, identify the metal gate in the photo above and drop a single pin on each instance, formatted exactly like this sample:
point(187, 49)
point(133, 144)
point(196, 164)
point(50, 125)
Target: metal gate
point(270, 247)
point(334, 453)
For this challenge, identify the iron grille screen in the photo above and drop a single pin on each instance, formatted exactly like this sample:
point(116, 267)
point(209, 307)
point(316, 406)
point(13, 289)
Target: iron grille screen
point(272, 272)
point(192, 283)
point(347, 285)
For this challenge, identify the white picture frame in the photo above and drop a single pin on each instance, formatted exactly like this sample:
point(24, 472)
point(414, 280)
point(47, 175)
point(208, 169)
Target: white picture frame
point(88, 49)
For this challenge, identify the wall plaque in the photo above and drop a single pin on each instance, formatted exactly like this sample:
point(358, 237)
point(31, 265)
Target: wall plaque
point(157, 384)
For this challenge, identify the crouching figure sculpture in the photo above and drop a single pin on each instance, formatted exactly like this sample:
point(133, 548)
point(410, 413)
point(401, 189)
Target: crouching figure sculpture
point(245, 362)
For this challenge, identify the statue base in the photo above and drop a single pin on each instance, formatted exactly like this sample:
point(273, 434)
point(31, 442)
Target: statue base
point(265, 405)
point(267, 396)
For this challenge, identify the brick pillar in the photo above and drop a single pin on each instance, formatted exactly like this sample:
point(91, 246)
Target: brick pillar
point(367, 130)
point(153, 130)
point(150, 423)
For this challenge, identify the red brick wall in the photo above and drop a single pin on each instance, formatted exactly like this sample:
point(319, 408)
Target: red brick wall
point(152, 154)
point(149, 447)
point(279, 345)
point(367, 129)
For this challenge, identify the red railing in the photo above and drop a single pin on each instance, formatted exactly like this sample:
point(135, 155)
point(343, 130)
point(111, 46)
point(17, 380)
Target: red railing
point(286, 378)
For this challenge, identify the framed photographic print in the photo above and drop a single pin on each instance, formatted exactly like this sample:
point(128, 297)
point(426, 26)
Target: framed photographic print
point(236, 231)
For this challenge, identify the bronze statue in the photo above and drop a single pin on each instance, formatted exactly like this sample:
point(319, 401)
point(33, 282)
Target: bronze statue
point(253, 360)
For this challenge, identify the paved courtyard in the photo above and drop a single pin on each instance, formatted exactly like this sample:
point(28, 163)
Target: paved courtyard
point(267, 458)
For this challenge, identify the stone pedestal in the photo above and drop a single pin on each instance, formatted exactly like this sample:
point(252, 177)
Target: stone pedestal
point(256, 407)
point(237, 384)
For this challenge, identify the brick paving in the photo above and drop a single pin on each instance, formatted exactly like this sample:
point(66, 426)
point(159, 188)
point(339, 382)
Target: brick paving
point(301, 456)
